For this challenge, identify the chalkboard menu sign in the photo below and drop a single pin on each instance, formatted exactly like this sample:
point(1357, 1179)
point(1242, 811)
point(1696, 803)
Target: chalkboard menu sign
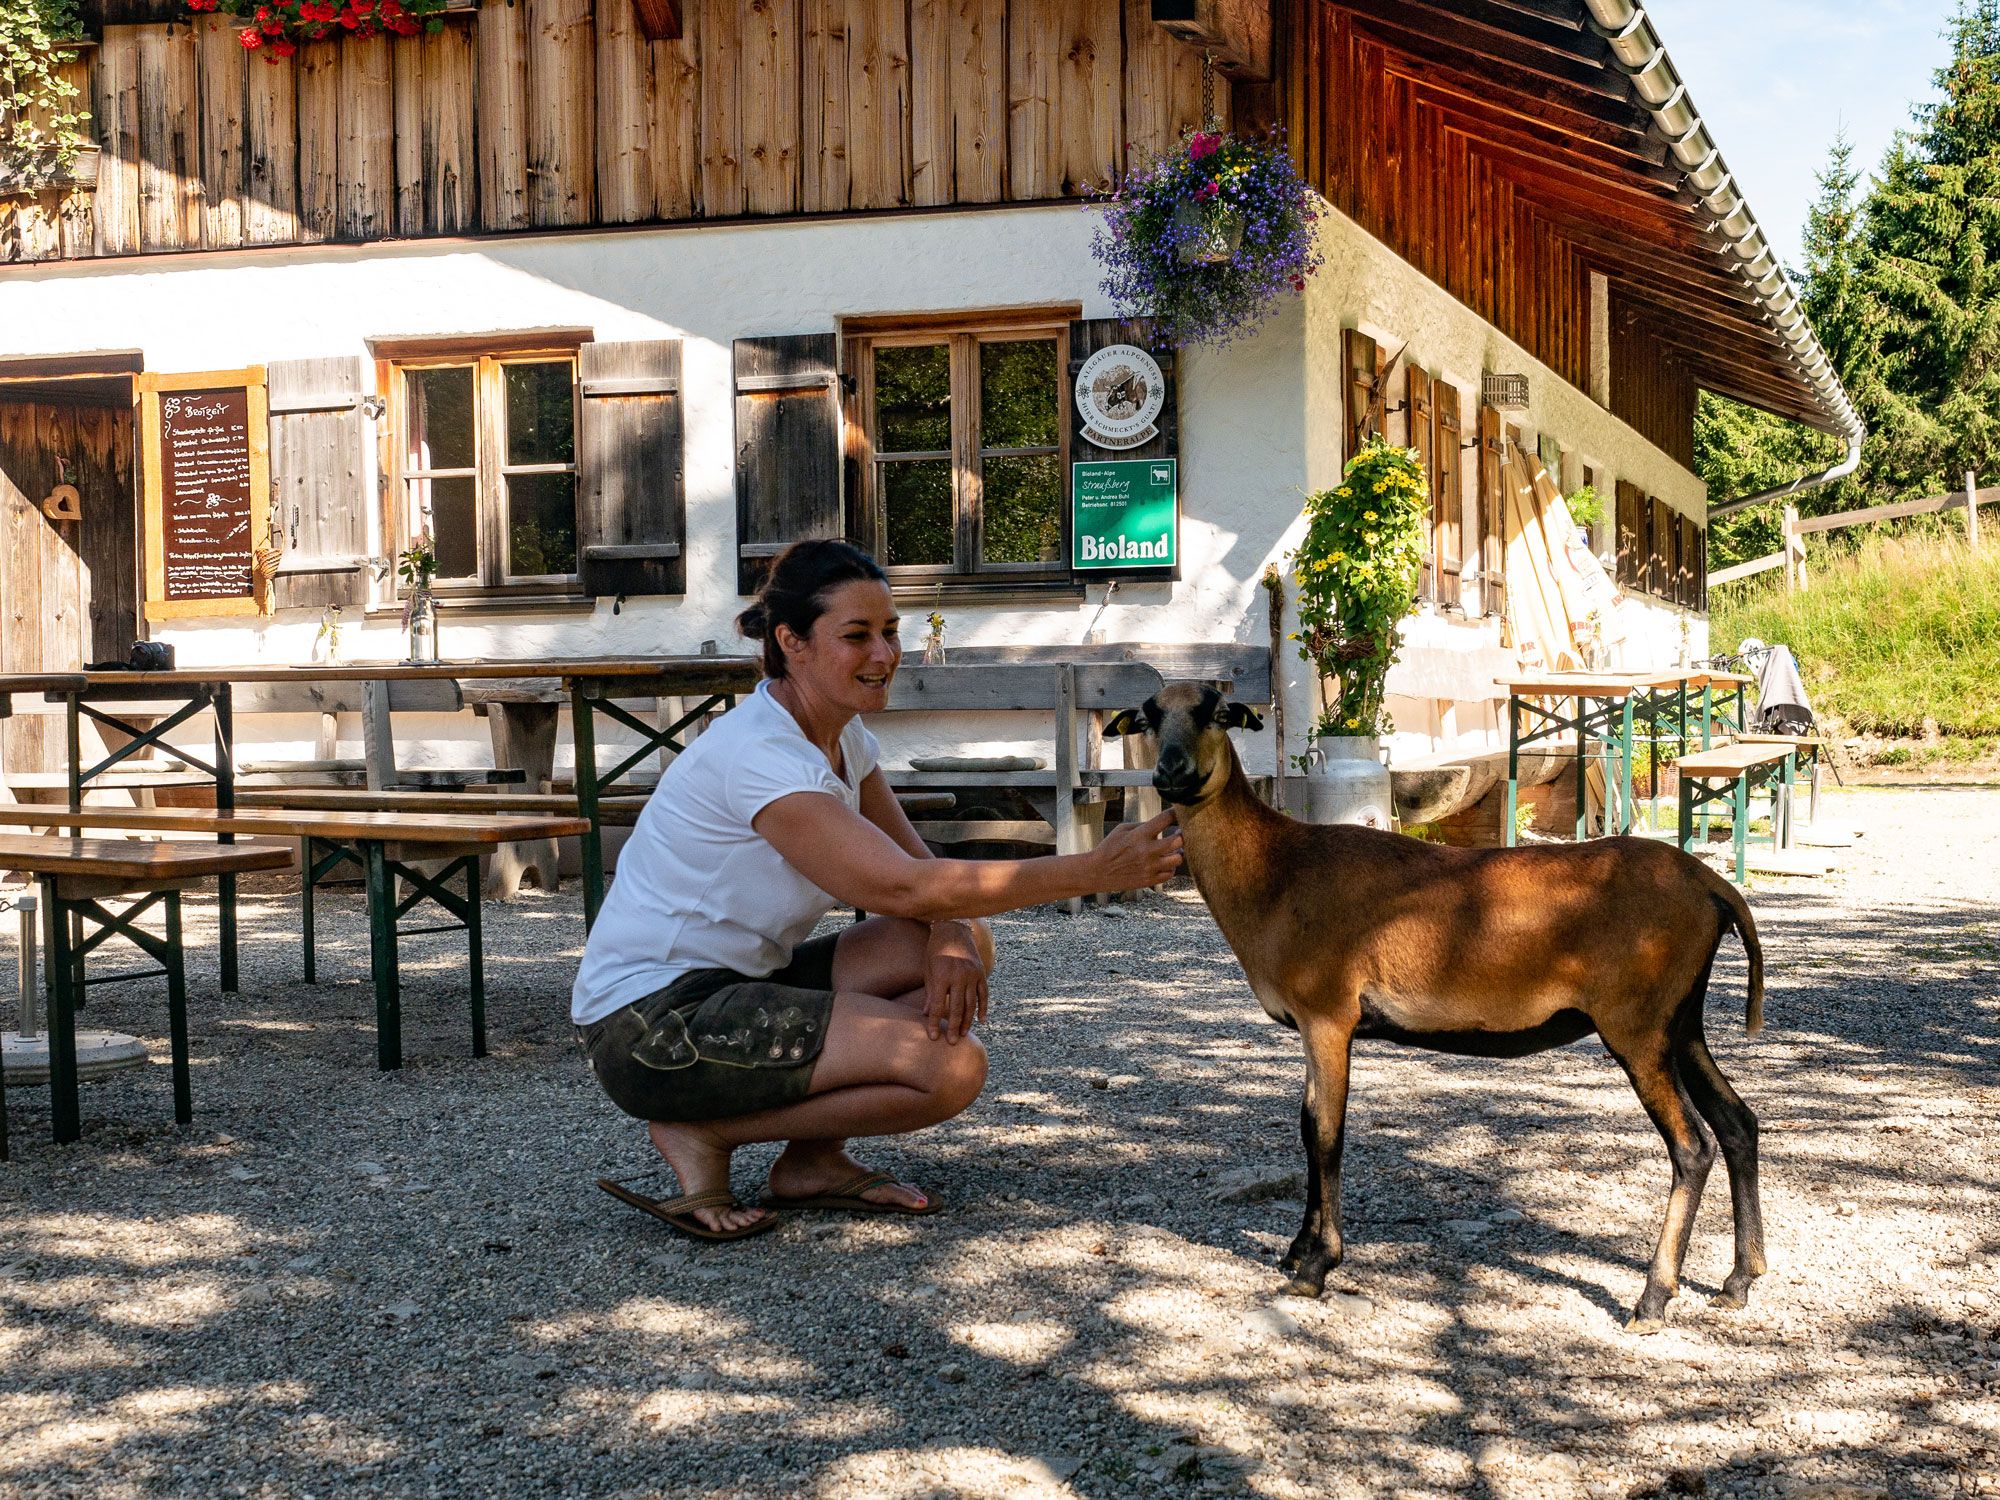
point(205, 442)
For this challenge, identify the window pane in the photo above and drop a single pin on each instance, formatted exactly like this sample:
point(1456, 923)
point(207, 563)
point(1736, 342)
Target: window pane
point(448, 510)
point(913, 399)
point(916, 503)
point(541, 529)
point(1022, 509)
point(541, 415)
point(1017, 394)
point(440, 420)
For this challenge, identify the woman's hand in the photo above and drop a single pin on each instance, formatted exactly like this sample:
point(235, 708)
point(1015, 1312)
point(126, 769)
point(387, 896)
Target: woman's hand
point(1134, 856)
point(954, 981)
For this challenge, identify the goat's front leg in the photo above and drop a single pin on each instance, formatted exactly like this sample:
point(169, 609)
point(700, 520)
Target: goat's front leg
point(1323, 1124)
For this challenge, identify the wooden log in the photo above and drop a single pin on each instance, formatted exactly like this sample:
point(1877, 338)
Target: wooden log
point(503, 114)
point(878, 103)
point(1089, 64)
point(221, 63)
point(562, 112)
point(436, 78)
point(824, 166)
point(1034, 159)
point(676, 111)
point(624, 115)
point(768, 106)
point(271, 152)
point(170, 193)
point(365, 158)
point(1237, 32)
point(318, 101)
point(722, 72)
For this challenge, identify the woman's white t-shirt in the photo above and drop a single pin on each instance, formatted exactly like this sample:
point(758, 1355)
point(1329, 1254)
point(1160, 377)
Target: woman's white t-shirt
point(697, 887)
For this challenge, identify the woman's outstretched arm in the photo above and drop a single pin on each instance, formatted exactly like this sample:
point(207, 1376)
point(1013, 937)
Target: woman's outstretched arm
point(854, 861)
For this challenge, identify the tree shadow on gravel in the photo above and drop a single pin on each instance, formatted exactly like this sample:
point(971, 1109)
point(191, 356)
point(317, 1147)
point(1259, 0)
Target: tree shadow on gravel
point(342, 1282)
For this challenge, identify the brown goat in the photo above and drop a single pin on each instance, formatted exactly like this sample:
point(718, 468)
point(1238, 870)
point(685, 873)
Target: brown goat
point(1347, 933)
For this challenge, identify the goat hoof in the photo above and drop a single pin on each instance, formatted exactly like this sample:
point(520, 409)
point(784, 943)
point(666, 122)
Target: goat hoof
point(1299, 1286)
point(1729, 1301)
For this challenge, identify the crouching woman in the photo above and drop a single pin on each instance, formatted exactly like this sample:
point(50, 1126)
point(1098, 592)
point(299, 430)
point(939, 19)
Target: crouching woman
point(704, 1006)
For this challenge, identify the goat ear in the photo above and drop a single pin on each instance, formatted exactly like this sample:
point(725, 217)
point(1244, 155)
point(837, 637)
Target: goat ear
point(1126, 721)
point(1238, 716)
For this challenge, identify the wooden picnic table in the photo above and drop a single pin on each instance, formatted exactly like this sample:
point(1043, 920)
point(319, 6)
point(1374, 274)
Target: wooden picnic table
point(77, 876)
point(1609, 707)
point(591, 683)
point(386, 845)
point(1744, 767)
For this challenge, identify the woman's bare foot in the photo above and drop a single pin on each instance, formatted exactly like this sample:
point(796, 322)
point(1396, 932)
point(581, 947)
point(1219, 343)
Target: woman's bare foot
point(700, 1160)
point(807, 1168)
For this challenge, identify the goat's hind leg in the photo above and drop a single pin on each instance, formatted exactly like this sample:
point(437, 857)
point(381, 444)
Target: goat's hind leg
point(1323, 1126)
point(1654, 1079)
point(1736, 1129)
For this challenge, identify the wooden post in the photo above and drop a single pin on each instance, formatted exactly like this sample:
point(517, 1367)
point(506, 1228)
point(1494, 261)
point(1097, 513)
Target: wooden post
point(1795, 552)
point(1274, 586)
point(377, 736)
point(1971, 513)
point(1068, 832)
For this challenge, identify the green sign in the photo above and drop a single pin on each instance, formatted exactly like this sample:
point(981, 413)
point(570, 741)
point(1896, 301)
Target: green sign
point(1125, 513)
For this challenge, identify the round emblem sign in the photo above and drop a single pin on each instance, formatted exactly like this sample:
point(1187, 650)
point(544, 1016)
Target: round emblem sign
point(1120, 391)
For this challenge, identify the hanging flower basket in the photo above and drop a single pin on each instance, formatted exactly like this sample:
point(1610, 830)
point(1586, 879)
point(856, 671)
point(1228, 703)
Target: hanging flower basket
point(276, 27)
point(1208, 239)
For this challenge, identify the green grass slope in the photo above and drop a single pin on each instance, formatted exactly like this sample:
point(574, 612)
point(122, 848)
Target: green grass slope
point(1901, 630)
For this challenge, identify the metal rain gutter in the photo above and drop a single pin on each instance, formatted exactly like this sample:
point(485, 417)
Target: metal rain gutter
point(1637, 52)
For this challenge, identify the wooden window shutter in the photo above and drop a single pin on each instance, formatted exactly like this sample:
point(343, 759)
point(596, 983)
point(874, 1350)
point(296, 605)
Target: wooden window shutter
point(1492, 506)
point(1659, 548)
point(1685, 572)
point(1422, 435)
point(1630, 520)
point(319, 482)
point(1701, 569)
point(788, 419)
point(632, 498)
point(1447, 492)
point(1367, 402)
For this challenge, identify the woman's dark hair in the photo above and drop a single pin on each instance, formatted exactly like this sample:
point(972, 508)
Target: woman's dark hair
point(795, 590)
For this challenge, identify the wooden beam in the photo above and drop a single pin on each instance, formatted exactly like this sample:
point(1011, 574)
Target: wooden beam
point(1491, 45)
point(659, 20)
point(1236, 32)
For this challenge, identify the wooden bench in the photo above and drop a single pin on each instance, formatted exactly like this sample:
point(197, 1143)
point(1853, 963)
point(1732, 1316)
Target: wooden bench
point(386, 846)
point(1810, 749)
point(77, 875)
point(1741, 769)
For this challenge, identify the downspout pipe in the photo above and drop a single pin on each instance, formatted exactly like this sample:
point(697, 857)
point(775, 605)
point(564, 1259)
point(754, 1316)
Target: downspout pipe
point(1637, 52)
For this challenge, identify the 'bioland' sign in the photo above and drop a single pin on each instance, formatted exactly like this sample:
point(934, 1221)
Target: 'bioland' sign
point(1125, 513)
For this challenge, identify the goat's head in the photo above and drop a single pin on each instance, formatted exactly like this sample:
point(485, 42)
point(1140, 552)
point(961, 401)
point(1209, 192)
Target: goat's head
point(1190, 725)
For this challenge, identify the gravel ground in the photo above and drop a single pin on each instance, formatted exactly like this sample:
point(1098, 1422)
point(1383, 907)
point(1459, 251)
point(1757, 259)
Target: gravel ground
point(343, 1283)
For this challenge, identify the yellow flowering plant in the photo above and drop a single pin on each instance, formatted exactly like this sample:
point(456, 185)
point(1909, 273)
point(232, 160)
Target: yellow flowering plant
point(1356, 573)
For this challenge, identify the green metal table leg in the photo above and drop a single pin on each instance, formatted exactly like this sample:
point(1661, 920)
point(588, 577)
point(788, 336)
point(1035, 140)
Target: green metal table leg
point(584, 735)
point(1739, 802)
point(306, 853)
point(65, 1110)
point(476, 950)
point(382, 957)
point(1790, 783)
point(1705, 745)
point(1625, 751)
point(177, 1012)
point(1582, 768)
point(1687, 815)
point(1513, 767)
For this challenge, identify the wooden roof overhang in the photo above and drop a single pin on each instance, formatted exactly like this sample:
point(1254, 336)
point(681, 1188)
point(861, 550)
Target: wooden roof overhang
point(1534, 91)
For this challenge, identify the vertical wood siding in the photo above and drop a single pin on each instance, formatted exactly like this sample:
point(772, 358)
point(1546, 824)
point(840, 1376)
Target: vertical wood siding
point(538, 113)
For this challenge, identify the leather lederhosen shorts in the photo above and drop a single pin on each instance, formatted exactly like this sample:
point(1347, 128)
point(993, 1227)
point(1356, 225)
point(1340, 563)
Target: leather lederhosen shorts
point(716, 1044)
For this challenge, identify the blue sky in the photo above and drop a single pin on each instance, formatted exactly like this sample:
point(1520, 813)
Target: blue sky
point(1775, 78)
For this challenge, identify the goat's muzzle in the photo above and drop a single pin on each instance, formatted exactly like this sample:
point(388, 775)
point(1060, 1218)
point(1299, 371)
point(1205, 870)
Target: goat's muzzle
point(1177, 778)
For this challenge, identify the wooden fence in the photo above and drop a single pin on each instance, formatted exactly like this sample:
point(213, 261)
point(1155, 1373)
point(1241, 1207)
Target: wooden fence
point(1791, 555)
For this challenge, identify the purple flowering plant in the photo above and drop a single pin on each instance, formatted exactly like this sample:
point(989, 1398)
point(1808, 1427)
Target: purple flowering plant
point(1169, 243)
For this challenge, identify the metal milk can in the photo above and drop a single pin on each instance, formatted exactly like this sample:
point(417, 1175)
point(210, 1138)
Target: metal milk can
point(1346, 782)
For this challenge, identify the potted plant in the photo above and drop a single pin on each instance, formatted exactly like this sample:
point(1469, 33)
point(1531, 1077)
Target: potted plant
point(1356, 575)
point(416, 564)
point(40, 141)
point(276, 27)
point(1206, 239)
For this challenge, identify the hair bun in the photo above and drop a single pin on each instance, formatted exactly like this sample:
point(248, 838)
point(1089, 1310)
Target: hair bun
point(753, 624)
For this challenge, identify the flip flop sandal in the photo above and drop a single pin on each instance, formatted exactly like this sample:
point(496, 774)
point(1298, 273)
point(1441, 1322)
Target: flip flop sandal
point(848, 1197)
point(678, 1213)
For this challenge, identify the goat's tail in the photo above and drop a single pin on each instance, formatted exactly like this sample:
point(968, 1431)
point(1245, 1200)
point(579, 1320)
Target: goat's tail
point(1736, 913)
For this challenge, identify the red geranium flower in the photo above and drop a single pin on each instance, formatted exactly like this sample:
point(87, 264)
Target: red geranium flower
point(280, 48)
point(1204, 143)
point(251, 38)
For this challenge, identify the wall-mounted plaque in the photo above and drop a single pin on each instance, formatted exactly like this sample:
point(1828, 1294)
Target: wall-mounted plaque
point(205, 439)
point(1119, 393)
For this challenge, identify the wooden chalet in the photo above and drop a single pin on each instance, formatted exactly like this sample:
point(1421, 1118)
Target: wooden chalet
point(620, 296)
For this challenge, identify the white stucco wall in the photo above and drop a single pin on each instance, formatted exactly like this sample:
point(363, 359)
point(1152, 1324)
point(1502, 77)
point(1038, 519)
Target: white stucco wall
point(1260, 420)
